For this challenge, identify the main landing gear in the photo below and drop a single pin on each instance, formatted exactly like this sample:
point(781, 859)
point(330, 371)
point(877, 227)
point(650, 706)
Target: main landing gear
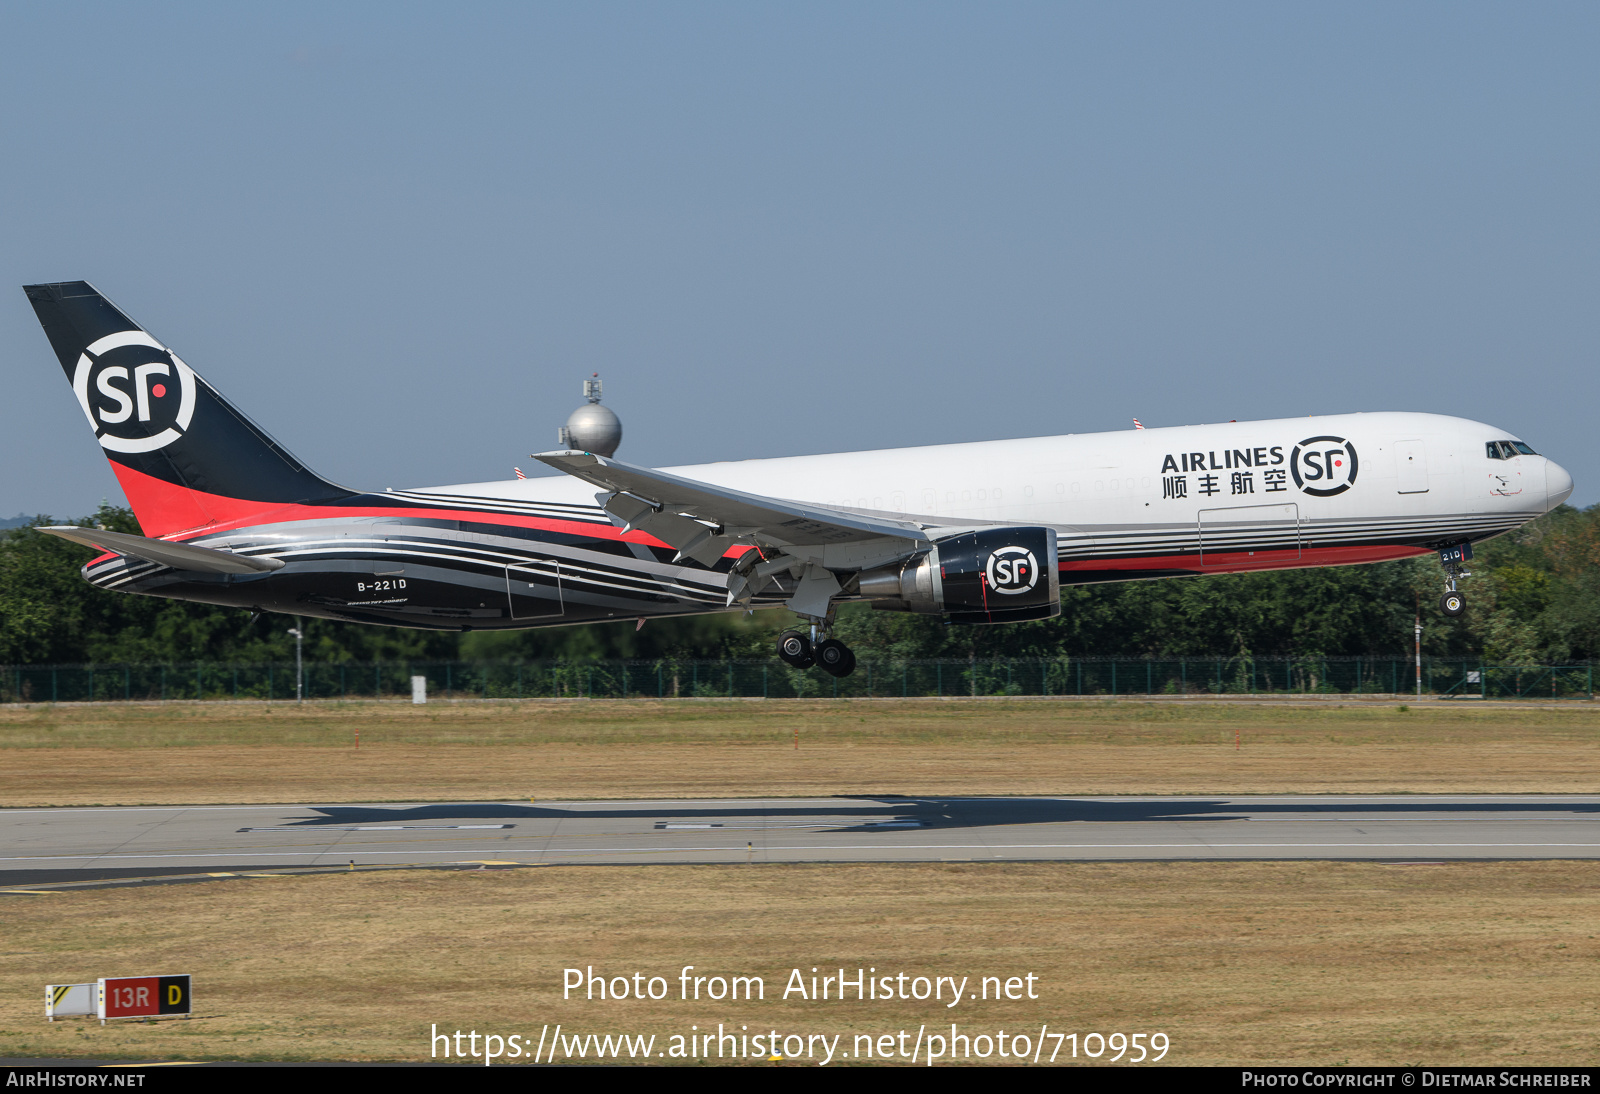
point(794, 648)
point(834, 657)
point(830, 655)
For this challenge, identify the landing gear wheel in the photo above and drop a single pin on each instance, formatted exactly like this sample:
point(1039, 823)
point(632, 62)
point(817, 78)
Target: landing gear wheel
point(1452, 604)
point(794, 649)
point(835, 658)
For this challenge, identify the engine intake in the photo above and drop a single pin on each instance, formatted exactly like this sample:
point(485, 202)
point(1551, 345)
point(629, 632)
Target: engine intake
point(996, 575)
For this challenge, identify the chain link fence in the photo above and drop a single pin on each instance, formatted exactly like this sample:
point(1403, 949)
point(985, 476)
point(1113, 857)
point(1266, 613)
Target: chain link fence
point(1463, 678)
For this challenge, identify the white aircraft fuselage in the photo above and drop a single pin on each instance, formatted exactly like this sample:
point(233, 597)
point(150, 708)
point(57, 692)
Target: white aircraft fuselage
point(1133, 502)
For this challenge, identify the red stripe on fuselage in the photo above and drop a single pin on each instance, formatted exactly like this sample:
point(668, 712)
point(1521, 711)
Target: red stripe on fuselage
point(1243, 561)
point(176, 512)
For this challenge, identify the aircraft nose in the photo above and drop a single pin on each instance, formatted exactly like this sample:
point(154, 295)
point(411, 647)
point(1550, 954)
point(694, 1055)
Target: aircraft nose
point(1557, 484)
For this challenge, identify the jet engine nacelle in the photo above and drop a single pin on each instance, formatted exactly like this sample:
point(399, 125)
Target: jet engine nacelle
point(995, 575)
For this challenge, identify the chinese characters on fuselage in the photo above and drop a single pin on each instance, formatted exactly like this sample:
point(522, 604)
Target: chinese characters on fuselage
point(1176, 470)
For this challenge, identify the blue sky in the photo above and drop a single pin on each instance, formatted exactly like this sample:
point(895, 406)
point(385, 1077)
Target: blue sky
point(400, 236)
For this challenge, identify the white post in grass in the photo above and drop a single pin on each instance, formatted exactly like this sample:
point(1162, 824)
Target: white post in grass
point(1418, 633)
point(299, 672)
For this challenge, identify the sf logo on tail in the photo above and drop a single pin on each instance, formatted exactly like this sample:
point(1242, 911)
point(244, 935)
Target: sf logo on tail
point(136, 393)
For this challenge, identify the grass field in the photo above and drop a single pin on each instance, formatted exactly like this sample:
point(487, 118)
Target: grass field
point(213, 753)
point(1242, 963)
point(1238, 963)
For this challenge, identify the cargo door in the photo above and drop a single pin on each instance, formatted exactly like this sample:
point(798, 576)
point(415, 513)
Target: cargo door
point(533, 590)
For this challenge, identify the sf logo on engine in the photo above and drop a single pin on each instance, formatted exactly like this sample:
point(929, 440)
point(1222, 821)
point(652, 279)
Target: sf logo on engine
point(1323, 466)
point(137, 394)
point(1012, 570)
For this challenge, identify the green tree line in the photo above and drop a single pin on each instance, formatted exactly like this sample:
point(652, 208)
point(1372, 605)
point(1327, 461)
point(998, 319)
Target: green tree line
point(1534, 597)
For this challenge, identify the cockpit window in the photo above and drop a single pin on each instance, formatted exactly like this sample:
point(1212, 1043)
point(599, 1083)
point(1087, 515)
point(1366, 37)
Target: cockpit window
point(1524, 449)
point(1507, 450)
point(1493, 449)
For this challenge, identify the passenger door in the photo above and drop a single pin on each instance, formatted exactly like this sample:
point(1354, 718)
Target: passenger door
point(1411, 467)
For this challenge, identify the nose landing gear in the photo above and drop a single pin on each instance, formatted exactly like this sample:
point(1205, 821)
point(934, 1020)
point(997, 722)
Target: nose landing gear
point(1453, 603)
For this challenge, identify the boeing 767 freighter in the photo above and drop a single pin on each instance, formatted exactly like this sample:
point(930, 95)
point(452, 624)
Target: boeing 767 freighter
point(976, 533)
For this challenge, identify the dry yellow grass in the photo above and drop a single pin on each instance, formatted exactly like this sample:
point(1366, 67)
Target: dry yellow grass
point(204, 753)
point(1246, 963)
point(1239, 963)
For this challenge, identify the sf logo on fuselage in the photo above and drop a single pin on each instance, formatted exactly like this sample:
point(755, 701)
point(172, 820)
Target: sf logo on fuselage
point(1012, 570)
point(137, 394)
point(1323, 466)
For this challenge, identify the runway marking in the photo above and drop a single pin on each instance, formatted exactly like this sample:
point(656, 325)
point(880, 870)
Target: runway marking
point(835, 848)
point(371, 827)
point(883, 799)
point(600, 803)
point(663, 825)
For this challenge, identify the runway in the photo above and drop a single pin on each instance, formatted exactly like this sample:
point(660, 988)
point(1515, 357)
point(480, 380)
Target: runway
point(62, 844)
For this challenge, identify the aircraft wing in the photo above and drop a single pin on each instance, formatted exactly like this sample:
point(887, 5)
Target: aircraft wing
point(180, 556)
point(703, 521)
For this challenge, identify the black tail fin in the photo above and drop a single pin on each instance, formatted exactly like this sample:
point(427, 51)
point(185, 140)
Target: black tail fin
point(184, 456)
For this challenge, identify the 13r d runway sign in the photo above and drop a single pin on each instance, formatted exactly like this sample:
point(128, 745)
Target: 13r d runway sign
point(142, 996)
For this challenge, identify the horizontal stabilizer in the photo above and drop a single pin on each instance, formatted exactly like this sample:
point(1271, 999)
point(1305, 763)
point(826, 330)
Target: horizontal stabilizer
point(180, 556)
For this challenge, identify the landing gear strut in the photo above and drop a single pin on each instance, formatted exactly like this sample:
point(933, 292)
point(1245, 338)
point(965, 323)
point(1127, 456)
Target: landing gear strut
point(832, 656)
point(1452, 603)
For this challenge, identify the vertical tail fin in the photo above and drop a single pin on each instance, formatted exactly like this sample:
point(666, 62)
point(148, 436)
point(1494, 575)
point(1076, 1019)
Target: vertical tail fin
point(184, 456)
